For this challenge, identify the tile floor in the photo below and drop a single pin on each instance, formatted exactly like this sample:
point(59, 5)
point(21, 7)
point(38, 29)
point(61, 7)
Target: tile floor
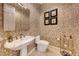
point(52, 51)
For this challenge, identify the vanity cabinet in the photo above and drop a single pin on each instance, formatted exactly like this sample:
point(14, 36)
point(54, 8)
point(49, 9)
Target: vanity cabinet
point(9, 18)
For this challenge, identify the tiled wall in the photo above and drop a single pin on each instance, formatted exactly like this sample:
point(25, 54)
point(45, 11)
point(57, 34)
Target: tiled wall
point(68, 25)
point(1, 17)
point(76, 27)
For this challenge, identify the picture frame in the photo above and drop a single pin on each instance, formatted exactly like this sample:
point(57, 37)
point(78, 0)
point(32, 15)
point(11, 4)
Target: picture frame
point(50, 17)
point(46, 18)
point(46, 22)
point(46, 14)
point(53, 12)
point(53, 21)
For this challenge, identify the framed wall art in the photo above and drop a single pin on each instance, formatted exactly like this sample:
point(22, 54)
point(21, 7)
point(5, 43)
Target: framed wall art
point(54, 21)
point(46, 18)
point(53, 12)
point(50, 17)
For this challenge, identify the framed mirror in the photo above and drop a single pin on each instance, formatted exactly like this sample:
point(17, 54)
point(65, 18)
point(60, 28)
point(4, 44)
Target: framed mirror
point(22, 17)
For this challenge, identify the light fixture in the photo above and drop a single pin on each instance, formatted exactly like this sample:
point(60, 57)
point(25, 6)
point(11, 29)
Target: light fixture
point(21, 5)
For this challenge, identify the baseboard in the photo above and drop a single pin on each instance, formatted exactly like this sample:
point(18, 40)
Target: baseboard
point(31, 51)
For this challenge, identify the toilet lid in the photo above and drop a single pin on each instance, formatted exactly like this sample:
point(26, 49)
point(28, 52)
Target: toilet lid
point(43, 42)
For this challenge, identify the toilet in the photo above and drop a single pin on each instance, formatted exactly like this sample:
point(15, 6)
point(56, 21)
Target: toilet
point(42, 45)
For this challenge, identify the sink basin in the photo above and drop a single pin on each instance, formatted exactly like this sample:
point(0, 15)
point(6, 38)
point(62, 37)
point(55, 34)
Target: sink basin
point(20, 44)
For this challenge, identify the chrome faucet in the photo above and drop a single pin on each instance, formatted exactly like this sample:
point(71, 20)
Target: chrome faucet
point(10, 39)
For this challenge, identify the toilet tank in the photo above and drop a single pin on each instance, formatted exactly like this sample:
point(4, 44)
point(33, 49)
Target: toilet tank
point(37, 38)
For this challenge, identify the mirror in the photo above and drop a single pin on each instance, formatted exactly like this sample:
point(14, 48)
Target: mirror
point(16, 18)
point(21, 19)
point(9, 18)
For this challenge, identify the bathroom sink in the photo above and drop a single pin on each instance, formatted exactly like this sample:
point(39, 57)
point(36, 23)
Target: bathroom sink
point(20, 44)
